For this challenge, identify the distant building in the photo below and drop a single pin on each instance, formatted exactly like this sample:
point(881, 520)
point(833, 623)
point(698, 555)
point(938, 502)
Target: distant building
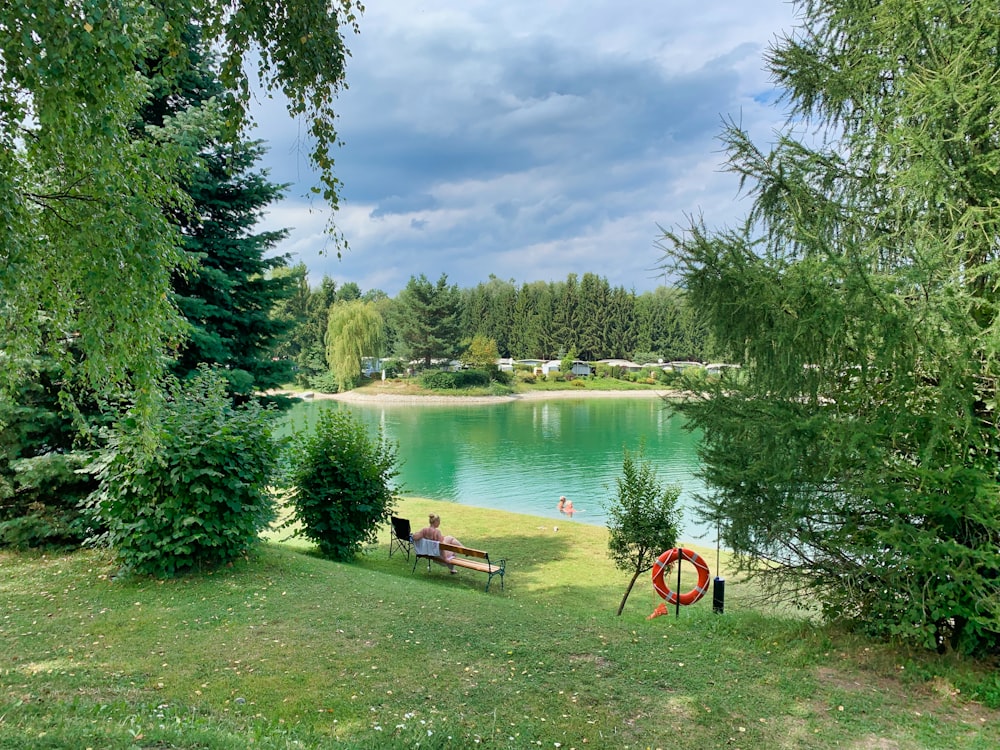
point(682, 365)
point(717, 368)
point(622, 363)
point(579, 367)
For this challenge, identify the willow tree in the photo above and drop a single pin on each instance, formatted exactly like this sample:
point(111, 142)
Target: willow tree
point(356, 329)
point(88, 246)
point(857, 454)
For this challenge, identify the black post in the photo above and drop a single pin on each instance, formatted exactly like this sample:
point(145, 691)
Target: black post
point(678, 591)
point(719, 585)
point(718, 595)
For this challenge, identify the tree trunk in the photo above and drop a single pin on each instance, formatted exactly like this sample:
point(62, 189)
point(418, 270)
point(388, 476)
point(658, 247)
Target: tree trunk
point(628, 591)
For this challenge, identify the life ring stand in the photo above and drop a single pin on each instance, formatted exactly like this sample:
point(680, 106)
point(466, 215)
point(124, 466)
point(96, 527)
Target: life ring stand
point(663, 562)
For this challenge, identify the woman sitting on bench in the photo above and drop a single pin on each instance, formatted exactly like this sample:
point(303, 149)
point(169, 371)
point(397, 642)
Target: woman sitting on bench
point(433, 533)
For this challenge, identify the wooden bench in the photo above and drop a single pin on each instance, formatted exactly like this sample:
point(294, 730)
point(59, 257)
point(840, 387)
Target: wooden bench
point(465, 557)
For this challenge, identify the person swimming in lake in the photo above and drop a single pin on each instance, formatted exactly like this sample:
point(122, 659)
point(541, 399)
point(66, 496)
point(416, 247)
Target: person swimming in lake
point(566, 506)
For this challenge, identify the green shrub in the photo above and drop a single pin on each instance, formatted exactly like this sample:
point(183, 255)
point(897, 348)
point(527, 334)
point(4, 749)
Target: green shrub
point(443, 380)
point(193, 494)
point(340, 484)
point(502, 376)
point(525, 376)
point(324, 383)
point(500, 389)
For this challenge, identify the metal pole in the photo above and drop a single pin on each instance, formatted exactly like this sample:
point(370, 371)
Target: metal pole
point(678, 592)
point(719, 585)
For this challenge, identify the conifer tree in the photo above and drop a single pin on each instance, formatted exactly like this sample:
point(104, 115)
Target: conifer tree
point(427, 319)
point(857, 460)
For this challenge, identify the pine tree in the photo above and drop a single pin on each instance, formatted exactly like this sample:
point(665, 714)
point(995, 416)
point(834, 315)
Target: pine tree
point(427, 319)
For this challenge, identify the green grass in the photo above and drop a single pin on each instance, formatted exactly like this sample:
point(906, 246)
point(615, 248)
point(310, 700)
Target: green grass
point(289, 650)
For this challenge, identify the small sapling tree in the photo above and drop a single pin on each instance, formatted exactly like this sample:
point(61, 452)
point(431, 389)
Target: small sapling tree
point(341, 484)
point(642, 518)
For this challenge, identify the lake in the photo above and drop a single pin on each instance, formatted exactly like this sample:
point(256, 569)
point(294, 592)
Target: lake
point(521, 456)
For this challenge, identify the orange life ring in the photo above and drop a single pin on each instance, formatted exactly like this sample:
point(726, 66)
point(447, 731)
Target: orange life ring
point(690, 597)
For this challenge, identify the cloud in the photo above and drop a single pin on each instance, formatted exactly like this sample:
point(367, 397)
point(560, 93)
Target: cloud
point(528, 140)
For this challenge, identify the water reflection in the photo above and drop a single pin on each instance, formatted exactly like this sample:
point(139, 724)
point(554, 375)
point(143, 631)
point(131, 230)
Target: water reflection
point(522, 456)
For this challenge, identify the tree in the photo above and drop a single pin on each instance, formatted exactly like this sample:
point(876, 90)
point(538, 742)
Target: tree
point(50, 433)
point(292, 311)
point(341, 483)
point(481, 354)
point(859, 455)
point(88, 247)
point(311, 358)
point(427, 319)
point(356, 330)
point(228, 295)
point(642, 519)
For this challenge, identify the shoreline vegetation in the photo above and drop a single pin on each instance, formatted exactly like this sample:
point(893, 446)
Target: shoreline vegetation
point(411, 395)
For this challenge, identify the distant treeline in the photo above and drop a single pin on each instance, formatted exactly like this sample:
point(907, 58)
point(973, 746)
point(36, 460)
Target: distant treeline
point(584, 317)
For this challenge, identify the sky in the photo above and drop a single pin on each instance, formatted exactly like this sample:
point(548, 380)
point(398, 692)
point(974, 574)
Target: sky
point(528, 140)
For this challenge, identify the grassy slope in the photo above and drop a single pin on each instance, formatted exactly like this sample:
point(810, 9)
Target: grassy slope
point(289, 650)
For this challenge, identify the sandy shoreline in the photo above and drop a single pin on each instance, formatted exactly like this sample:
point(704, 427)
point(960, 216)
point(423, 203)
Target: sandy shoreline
point(395, 398)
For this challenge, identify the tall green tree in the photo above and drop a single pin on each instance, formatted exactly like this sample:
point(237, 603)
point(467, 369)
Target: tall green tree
point(356, 330)
point(526, 321)
point(311, 358)
point(228, 295)
point(88, 246)
point(592, 334)
point(859, 456)
point(292, 311)
point(427, 319)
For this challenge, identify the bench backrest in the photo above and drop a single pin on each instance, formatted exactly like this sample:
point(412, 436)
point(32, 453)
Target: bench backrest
point(463, 551)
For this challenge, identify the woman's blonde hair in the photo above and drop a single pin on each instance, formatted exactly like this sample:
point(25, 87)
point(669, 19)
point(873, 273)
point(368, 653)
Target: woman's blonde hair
point(435, 519)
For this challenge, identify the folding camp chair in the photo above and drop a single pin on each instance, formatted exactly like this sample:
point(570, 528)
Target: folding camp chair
point(400, 539)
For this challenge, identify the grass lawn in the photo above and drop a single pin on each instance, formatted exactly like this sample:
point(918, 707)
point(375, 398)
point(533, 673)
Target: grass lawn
point(288, 650)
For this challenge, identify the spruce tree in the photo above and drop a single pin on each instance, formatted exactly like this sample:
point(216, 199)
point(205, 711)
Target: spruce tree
point(427, 319)
point(229, 292)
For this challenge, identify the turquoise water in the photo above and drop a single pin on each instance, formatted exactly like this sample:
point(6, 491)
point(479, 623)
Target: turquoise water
point(521, 456)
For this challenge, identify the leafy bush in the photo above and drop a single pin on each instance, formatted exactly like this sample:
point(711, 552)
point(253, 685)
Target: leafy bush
point(502, 376)
point(324, 383)
point(193, 494)
point(524, 376)
point(500, 389)
point(443, 380)
point(340, 483)
point(393, 367)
